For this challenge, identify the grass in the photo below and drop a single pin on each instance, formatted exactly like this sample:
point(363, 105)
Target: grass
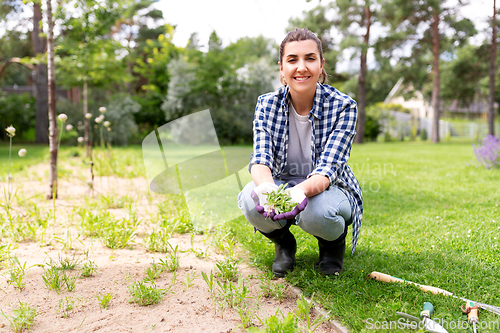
point(431, 216)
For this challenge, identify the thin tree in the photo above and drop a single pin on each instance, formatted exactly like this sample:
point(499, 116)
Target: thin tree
point(39, 45)
point(491, 101)
point(53, 132)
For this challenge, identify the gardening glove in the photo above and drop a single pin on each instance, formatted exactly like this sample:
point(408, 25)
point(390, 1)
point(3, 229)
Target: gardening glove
point(297, 195)
point(259, 196)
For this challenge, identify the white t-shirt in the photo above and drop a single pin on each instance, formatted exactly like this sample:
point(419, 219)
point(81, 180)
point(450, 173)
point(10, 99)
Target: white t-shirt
point(298, 161)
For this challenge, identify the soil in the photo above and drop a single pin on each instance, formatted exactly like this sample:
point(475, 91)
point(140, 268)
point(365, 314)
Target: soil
point(182, 309)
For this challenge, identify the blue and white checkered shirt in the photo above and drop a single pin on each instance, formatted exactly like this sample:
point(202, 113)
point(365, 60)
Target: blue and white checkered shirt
point(333, 117)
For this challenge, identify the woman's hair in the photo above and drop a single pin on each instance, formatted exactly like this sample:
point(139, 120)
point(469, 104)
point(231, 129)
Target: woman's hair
point(299, 34)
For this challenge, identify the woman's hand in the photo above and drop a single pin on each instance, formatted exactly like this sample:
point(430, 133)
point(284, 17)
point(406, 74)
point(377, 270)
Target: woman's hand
point(259, 196)
point(297, 195)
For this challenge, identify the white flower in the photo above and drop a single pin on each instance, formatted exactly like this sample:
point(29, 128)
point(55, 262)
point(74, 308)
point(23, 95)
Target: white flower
point(80, 139)
point(9, 177)
point(69, 127)
point(22, 152)
point(102, 109)
point(106, 123)
point(11, 131)
point(62, 117)
point(99, 119)
point(88, 115)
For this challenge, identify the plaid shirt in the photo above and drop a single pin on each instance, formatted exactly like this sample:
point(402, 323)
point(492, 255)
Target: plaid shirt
point(333, 117)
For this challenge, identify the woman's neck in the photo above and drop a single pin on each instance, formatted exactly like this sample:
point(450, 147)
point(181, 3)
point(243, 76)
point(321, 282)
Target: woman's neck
point(302, 104)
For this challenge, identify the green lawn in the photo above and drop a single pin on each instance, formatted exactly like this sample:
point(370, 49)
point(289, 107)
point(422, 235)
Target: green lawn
point(431, 216)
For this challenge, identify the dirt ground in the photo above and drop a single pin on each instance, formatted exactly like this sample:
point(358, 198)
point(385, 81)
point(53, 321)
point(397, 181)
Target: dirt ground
point(183, 309)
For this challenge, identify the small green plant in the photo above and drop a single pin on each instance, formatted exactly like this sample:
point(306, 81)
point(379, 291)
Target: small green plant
point(57, 280)
point(171, 261)
point(17, 273)
point(119, 234)
point(272, 289)
point(189, 280)
point(231, 295)
point(65, 306)
point(145, 294)
point(89, 268)
point(280, 200)
point(227, 269)
point(274, 324)
point(154, 272)
point(303, 313)
point(104, 300)
point(22, 317)
point(65, 263)
point(199, 253)
point(246, 315)
point(225, 244)
point(157, 240)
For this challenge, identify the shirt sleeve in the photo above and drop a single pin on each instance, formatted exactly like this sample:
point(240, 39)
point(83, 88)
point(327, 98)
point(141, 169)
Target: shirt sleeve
point(337, 149)
point(262, 141)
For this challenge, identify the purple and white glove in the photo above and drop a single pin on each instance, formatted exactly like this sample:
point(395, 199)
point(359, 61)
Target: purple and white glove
point(259, 196)
point(297, 195)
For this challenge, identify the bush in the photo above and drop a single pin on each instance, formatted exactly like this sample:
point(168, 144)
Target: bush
point(20, 112)
point(120, 113)
point(423, 135)
point(488, 152)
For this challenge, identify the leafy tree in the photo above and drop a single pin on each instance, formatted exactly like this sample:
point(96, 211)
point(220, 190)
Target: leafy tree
point(18, 43)
point(491, 99)
point(53, 132)
point(87, 52)
point(407, 18)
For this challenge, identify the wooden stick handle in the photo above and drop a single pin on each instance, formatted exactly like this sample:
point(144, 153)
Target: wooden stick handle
point(388, 278)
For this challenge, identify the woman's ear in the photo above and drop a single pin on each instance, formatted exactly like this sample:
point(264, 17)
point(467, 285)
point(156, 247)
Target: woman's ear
point(323, 63)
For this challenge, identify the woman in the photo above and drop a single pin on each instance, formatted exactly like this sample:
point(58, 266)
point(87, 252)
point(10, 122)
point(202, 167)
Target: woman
point(303, 134)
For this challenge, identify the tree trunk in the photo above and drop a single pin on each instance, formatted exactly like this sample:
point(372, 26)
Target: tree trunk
point(53, 132)
point(85, 120)
point(435, 70)
point(41, 125)
point(360, 127)
point(491, 109)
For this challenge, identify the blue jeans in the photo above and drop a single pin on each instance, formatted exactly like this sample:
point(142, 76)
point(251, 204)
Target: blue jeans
point(326, 215)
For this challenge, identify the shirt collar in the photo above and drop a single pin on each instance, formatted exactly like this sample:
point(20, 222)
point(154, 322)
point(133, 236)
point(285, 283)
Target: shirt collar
point(317, 108)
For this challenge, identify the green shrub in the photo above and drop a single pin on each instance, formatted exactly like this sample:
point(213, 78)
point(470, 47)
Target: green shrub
point(423, 134)
point(18, 111)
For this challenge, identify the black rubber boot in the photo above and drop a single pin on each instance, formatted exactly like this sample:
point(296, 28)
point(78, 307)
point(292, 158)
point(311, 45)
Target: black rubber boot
point(285, 248)
point(331, 256)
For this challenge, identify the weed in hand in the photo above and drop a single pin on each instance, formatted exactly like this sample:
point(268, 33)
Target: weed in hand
point(280, 200)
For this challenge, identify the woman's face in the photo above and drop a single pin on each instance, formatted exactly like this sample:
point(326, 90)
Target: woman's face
point(301, 66)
